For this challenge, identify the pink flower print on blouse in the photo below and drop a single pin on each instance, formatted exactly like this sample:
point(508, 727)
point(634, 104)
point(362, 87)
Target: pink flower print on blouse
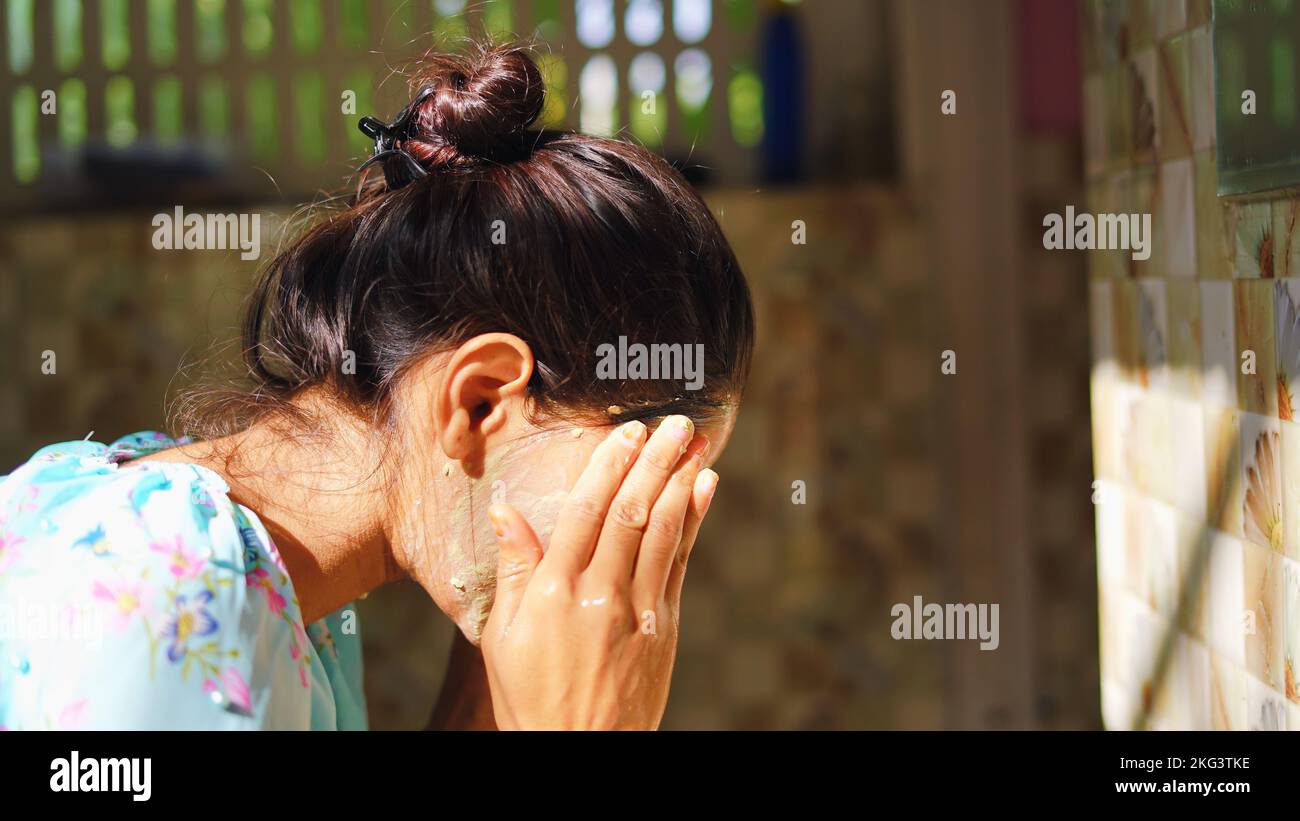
point(231, 692)
point(184, 563)
point(260, 578)
point(28, 506)
point(72, 716)
point(9, 551)
point(298, 650)
point(126, 600)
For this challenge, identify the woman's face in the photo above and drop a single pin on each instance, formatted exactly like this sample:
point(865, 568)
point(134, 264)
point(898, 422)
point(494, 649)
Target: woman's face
point(445, 534)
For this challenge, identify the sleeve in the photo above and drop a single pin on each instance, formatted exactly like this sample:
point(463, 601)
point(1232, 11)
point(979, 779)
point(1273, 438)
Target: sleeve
point(146, 605)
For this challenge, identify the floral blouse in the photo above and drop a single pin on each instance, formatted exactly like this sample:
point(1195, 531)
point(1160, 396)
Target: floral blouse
point(139, 596)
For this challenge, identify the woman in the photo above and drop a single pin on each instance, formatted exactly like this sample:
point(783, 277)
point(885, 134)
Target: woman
point(426, 403)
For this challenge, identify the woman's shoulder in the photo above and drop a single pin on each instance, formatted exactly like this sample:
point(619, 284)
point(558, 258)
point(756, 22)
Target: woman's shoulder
point(76, 502)
point(143, 587)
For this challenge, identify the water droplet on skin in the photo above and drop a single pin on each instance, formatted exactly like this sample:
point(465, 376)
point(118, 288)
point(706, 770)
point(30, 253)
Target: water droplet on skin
point(576, 433)
point(446, 469)
point(457, 583)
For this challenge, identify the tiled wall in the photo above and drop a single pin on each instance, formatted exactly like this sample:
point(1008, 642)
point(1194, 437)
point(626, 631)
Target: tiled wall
point(1197, 458)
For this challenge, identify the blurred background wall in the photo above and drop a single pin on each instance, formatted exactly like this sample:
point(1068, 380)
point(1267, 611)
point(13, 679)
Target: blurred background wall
point(923, 235)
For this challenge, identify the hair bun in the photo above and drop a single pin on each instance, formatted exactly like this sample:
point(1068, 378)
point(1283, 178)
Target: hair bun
point(479, 102)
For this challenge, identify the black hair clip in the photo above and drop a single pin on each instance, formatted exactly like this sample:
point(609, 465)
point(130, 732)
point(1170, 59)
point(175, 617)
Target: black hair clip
point(399, 167)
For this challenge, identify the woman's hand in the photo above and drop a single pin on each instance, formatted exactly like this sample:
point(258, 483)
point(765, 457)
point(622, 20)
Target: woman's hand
point(585, 636)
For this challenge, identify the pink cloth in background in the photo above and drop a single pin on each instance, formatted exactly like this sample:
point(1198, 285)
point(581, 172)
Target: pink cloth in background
point(1050, 73)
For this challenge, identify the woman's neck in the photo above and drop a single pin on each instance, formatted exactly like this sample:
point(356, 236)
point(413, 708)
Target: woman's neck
point(322, 503)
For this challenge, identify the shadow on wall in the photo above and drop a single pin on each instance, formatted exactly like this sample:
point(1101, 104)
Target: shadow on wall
point(1200, 586)
point(1195, 379)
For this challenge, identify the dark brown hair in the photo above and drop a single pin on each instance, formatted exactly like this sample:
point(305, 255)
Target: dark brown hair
point(602, 239)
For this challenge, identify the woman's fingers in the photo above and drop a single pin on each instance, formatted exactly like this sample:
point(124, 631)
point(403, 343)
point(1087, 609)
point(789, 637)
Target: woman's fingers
point(519, 555)
point(701, 497)
point(583, 514)
point(664, 530)
point(620, 538)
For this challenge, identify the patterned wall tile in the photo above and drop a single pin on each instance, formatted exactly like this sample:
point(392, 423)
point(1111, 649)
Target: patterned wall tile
point(1183, 326)
point(1265, 614)
point(1225, 494)
point(1200, 87)
point(1213, 236)
point(1221, 517)
point(1253, 323)
point(1253, 255)
point(1290, 488)
point(1175, 105)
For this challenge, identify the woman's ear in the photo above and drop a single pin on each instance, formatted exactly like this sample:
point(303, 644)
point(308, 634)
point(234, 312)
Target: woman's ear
point(482, 380)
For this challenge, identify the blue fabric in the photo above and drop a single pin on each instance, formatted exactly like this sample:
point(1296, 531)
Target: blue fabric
point(139, 596)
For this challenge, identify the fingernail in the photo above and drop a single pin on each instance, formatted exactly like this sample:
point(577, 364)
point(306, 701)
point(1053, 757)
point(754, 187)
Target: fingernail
point(498, 519)
point(631, 432)
point(704, 446)
point(709, 481)
point(681, 428)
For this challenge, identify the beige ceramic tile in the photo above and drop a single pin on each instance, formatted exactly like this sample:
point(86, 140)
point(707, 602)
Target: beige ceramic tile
point(1213, 237)
point(1265, 614)
point(1187, 426)
point(1110, 503)
point(1265, 706)
point(1291, 638)
point(1178, 217)
point(1226, 592)
point(1261, 478)
point(1225, 494)
point(1253, 241)
point(1286, 342)
point(1159, 550)
point(1227, 694)
point(1256, 352)
point(1286, 237)
point(1290, 474)
point(1127, 334)
point(1183, 326)
point(1153, 334)
point(1193, 557)
point(1200, 72)
point(1175, 109)
point(1219, 357)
